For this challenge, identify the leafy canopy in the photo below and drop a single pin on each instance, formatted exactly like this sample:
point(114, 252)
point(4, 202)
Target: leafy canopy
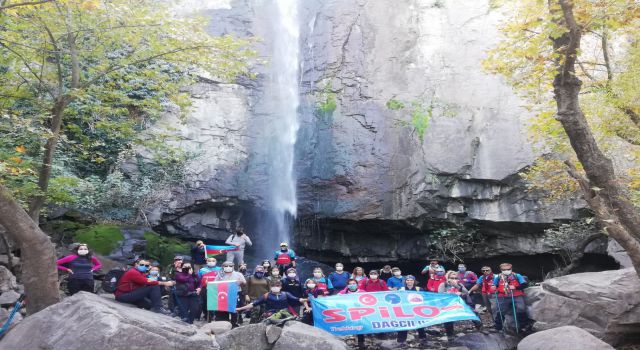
point(608, 65)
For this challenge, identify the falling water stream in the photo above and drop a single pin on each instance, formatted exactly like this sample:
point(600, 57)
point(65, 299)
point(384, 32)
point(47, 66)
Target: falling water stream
point(282, 94)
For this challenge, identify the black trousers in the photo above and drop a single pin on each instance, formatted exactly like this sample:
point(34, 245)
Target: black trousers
point(189, 307)
point(147, 297)
point(76, 285)
point(402, 335)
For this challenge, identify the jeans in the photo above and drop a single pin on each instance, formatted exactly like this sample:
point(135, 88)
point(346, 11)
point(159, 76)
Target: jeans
point(505, 307)
point(189, 307)
point(147, 297)
point(76, 285)
point(486, 302)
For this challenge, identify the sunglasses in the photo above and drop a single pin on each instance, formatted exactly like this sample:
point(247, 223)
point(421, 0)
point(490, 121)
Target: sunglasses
point(454, 278)
point(486, 270)
point(147, 265)
point(227, 265)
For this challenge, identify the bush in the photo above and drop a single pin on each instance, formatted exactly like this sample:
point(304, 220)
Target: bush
point(163, 249)
point(102, 239)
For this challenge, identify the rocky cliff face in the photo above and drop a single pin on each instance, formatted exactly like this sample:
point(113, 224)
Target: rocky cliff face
point(370, 188)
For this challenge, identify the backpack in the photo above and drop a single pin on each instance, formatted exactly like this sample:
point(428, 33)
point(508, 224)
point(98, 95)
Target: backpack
point(111, 279)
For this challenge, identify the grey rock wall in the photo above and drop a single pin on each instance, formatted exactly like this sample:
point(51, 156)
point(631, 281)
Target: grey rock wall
point(364, 173)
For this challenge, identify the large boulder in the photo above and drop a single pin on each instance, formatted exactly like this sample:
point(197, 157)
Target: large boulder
point(294, 335)
point(88, 321)
point(561, 338)
point(492, 341)
point(7, 280)
point(606, 304)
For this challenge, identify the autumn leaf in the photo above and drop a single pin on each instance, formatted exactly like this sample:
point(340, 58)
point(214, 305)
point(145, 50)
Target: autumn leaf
point(21, 149)
point(17, 160)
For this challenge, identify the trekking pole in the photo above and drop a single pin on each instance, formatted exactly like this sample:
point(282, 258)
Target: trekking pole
point(515, 316)
point(499, 310)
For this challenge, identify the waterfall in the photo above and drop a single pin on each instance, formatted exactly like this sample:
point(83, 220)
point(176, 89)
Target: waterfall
point(282, 94)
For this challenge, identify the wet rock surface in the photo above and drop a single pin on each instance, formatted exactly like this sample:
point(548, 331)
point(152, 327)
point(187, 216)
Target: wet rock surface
point(562, 338)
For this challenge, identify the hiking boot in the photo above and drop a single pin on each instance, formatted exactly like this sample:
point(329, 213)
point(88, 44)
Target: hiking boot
point(161, 310)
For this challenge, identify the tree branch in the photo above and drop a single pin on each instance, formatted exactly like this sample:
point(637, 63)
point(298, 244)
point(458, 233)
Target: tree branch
point(5, 7)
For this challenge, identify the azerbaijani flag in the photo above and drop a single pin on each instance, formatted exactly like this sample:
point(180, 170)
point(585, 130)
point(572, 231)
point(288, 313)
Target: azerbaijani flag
point(222, 296)
point(212, 250)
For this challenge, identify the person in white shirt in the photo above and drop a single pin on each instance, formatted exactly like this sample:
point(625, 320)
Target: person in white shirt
point(240, 240)
point(228, 274)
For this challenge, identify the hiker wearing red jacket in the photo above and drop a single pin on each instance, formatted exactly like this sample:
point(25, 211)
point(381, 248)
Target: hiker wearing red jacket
point(373, 283)
point(134, 287)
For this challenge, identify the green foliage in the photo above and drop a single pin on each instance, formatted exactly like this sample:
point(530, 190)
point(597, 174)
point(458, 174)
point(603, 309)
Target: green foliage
point(100, 238)
point(114, 67)
point(608, 65)
point(394, 104)
point(163, 248)
point(420, 118)
point(451, 243)
point(326, 103)
point(567, 237)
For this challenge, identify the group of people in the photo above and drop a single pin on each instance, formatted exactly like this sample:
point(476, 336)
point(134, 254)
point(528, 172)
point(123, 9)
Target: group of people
point(274, 290)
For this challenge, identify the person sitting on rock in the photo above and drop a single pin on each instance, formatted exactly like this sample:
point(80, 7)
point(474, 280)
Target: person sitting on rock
point(396, 281)
point(411, 285)
point(373, 283)
point(321, 281)
point(277, 303)
point(187, 291)
point(452, 285)
point(385, 273)
point(284, 258)
point(80, 265)
point(154, 273)
point(358, 274)
point(291, 283)
point(135, 288)
point(228, 274)
point(509, 287)
point(484, 283)
point(198, 255)
point(240, 240)
point(338, 279)
point(257, 286)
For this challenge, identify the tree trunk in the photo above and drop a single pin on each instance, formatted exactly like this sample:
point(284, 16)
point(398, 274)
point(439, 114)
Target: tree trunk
point(603, 192)
point(37, 202)
point(39, 273)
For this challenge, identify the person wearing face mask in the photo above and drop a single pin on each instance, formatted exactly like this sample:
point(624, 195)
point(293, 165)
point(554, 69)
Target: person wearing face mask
point(338, 279)
point(397, 281)
point(135, 288)
point(411, 285)
point(484, 283)
point(509, 287)
point(358, 274)
point(352, 287)
point(228, 274)
point(284, 258)
point(436, 279)
point(243, 270)
point(276, 302)
point(187, 292)
point(80, 266)
point(154, 273)
point(321, 281)
point(171, 275)
point(273, 276)
point(291, 284)
point(431, 268)
point(312, 290)
point(452, 285)
point(386, 273)
point(267, 267)
point(239, 239)
point(257, 286)
point(468, 278)
point(373, 283)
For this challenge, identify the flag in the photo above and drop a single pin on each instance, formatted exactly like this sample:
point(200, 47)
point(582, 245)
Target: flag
point(222, 296)
point(211, 250)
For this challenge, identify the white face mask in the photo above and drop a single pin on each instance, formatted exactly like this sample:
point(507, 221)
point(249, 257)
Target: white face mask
point(397, 273)
point(211, 263)
point(317, 274)
point(292, 275)
point(275, 289)
point(275, 272)
point(506, 272)
point(83, 251)
point(311, 285)
point(266, 266)
point(373, 277)
point(228, 269)
point(339, 268)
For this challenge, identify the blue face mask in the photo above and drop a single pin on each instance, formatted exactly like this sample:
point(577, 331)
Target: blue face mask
point(353, 287)
point(154, 273)
point(142, 268)
point(462, 269)
point(259, 274)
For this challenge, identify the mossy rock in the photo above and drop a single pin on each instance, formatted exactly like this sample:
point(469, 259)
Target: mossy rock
point(100, 238)
point(163, 248)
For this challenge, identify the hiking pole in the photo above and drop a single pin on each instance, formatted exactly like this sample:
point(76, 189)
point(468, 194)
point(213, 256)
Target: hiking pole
point(515, 316)
point(499, 310)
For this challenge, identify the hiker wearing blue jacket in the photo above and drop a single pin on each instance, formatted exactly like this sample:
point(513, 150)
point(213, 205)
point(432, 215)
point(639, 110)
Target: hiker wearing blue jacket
point(338, 279)
point(396, 281)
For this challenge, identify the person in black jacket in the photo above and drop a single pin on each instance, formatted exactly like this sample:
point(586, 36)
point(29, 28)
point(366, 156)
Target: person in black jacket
point(198, 256)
